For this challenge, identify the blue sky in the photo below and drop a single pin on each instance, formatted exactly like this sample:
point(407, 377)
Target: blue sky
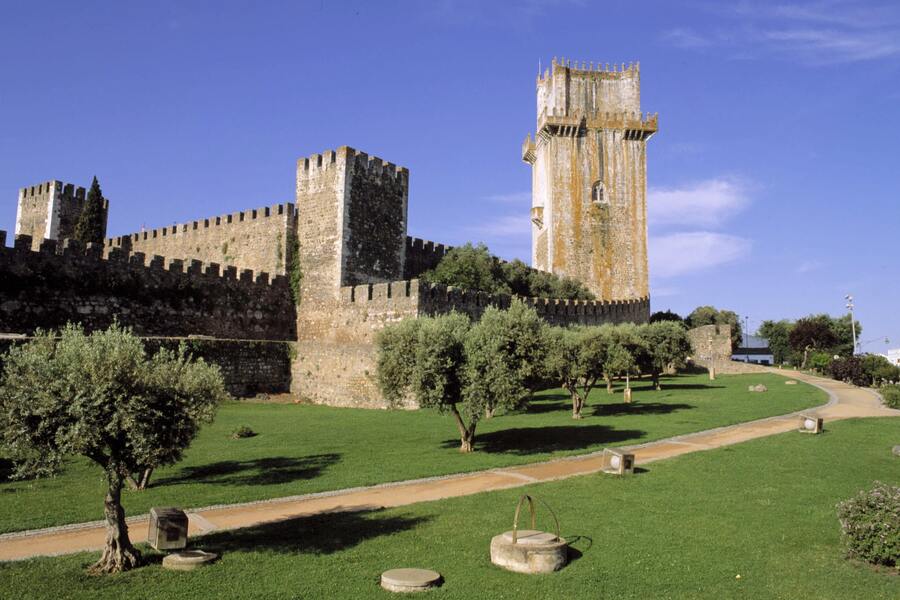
point(774, 177)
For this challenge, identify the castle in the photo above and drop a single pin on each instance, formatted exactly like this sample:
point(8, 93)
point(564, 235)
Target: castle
point(223, 282)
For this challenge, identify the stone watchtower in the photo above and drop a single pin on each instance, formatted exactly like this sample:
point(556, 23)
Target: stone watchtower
point(50, 210)
point(589, 178)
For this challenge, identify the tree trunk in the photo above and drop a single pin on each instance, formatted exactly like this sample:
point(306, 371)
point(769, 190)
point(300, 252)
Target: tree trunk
point(466, 434)
point(145, 478)
point(488, 412)
point(119, 555)
point(656, 384)
point(577, 403)
point(805, 356)
point(608, 379)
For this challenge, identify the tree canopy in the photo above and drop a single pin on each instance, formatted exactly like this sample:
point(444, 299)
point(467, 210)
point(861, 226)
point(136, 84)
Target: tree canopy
point(576, 359)
point(448, 364)
point(101, 397)
point(475, 268)
point(91, 224)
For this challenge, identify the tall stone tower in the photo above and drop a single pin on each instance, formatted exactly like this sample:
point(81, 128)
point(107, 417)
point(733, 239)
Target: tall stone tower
point(589, 178)
point(50, 210)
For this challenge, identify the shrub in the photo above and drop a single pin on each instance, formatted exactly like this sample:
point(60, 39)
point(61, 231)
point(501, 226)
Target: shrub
point(242, 432)
point(870, 524)
point(891, 395)
point(849, 369)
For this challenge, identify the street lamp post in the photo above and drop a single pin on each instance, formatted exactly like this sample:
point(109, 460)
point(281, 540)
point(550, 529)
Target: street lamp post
point(852, 321)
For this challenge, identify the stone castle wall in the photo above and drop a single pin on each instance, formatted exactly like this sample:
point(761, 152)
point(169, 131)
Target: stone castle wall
point(421, 256)
point(259, 239)
point(336, 351)
point(711, 345)
point(64, 282)
point(50, 210)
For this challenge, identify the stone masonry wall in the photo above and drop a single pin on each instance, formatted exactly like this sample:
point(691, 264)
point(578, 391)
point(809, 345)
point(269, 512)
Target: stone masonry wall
point(711, 345)
point(421, 256)
point(50, 210)
point(259, 239)
point(65, 283)
point(248, 367)
point(336, 352)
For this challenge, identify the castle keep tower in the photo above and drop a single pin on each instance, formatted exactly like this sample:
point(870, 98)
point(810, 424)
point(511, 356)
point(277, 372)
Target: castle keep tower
point(589, 178)
point(50, 210)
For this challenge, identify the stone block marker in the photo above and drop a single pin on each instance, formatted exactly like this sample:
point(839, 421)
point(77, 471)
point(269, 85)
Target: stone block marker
point(811, 424)
point(168, 529)
point(188, 560)
point(617, 463)
point(896, 450)
point(410, 580)
point(758, 388)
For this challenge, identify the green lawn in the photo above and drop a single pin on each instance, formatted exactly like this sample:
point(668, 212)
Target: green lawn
point(302, 449)
point(681, 528)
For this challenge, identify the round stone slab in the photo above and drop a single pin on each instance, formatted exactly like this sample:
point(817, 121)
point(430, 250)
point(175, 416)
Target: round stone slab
point(188, 560)
point(530, 537)
point(410, 580)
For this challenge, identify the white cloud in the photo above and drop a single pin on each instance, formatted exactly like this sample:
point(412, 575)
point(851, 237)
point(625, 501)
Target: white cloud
point(808, 265)
point(705, 203)
point(818, 33)
point(505, 226)
point(523, 198)
point(678, 254)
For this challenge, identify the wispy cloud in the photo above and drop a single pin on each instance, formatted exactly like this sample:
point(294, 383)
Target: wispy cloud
point(808, 266)
point(812, 33)
point(520, 198)
point(677, 254)
point(504, 226)
point(706, 203)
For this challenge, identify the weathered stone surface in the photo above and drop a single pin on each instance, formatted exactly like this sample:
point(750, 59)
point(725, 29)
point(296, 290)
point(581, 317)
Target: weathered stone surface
point(188, 560)
point(589, 169)
point(259, 239)
point(896, 450)
point(50, 210)
point(790, 382)
point(533, 552)
point(811, 424)
point(758, 388)
point(47, 290)
point(410, 580)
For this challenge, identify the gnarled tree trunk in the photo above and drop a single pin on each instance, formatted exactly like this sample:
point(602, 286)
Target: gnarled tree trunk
point(466, 434)
point(119, 555)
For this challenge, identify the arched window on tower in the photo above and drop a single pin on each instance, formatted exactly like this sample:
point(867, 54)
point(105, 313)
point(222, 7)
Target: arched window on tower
point(598, 194)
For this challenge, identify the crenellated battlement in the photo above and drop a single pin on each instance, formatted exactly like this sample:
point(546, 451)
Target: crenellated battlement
point(66, 281)
point(285, 210)
point(557, 121)
point(22, 251)
point(312, 166)
point(436, 298)
point(588, 69)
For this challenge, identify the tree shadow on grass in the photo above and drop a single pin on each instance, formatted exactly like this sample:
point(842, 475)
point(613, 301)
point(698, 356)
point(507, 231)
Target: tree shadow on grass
point(317, 534)
point(537, 440)
point(637, 408)
point(260, 471)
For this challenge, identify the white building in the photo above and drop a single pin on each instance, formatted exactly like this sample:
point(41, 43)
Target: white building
point(893, 356)
point(754, 349)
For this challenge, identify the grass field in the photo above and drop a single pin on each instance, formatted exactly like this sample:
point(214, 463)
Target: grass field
point(683, 528)
point(302, 449)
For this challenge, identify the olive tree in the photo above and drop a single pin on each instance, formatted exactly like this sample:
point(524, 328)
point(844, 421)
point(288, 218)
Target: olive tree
point(624, 354)
point(101, 397)
point(448, 364)
point(576, 358)
point(664, 343)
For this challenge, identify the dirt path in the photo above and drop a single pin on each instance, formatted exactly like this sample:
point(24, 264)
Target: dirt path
point(845, 402)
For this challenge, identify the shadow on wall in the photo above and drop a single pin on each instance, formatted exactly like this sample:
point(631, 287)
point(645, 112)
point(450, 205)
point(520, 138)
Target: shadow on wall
point(260, 471)
point(318, 534)
point(536, 440)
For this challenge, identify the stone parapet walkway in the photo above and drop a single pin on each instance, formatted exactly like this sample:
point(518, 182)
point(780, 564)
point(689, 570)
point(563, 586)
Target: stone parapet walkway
point(846, 402)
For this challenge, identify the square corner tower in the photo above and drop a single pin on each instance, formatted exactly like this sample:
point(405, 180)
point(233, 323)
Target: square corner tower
point(589, 178)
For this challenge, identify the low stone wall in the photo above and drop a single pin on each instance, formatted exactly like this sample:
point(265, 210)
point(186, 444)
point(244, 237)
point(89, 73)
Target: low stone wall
point(65, 282)
point(248, 367)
